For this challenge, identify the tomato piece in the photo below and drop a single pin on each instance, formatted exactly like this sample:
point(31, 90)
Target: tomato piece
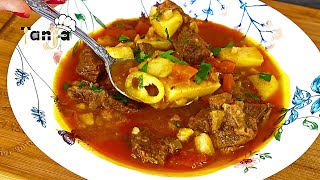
point(228, 82)
point(226, 67)
point(130, 34)
point(183, 72)
point(214, 62)
point(188, 159)
point(142, 27)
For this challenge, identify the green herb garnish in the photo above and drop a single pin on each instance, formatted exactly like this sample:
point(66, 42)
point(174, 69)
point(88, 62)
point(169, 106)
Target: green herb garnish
point(240, 98)
point(167, 55)
point(215, 51)
point(157, 16)
point(264, 76)
point(140, 82)
point(142, 56)
point(95, 89)
point(202, 72)
point(91, 85)
point(65, 86)
point(185, 40)
point(197, 79)
point(178, 124)
point(120, 97)
point(229, 45)
point(144, 67)
point(120, 24)
point(82, 84)
point(254, 96)
point(167, 35)
point(123, 38)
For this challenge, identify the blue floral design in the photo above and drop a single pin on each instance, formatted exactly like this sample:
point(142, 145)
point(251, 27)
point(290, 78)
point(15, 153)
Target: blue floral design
point(35, 111)
point(301, 99)
point(207, 11)
point(39, 116)
point(21, 76)
point(259, 26)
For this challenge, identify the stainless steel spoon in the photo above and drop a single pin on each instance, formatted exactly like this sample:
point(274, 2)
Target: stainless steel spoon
point(46, 11)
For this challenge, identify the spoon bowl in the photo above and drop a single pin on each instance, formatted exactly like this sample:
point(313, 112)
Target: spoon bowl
point(65, 22)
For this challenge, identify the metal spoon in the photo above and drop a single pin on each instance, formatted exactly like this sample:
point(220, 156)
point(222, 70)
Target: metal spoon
point(46, 11)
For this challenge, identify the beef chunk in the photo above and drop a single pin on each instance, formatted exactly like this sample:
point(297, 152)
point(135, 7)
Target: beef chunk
point(146, 48)
point(218, 100)
point(260, 112)
point(94, 100)
point(149, 148)
point(227, 140)
point(190, 46)
point(237, 129)
point(201, 121)
point(90, 65)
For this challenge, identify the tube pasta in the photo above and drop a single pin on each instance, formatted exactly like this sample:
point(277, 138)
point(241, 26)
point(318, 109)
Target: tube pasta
point(140, 93)
point(190, 90)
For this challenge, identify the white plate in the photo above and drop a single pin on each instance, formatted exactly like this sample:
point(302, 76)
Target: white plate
point(32, 68)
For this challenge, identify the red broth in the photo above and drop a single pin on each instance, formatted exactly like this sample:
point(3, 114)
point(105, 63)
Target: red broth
point(114, 146)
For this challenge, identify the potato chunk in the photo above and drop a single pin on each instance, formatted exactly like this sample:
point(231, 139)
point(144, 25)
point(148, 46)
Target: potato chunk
point(265, 89)
point(87, 118)
point(120, 52)
point(184, 134)
point(160, 67)
point(170, 20)
point(204, 144)
point(242, 56)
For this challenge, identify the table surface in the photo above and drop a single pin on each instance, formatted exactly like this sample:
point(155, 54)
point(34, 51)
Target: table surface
point(21, 159)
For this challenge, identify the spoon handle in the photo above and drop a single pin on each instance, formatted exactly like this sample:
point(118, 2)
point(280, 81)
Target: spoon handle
point(46, 11)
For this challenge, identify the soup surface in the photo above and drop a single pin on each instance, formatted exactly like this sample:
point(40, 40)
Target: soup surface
point(232, 84)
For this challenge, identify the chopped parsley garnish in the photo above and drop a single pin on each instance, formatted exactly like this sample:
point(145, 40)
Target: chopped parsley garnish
point(142, 56)
point(264, 76)
point(229, 45)
point(185, 40)
point(215, 51)
point(120, 97)
point(202, 72)
point(95, 89)
point(167, 35)
point(178, 124)
point(144, 67)
point(120, 24)
point(240, 98)
point(91, 85)
point(98, 89)
point(167, 55)
point(197, 79)
point(123, 38)
point(140, 82)
point(82, 84)
point(157, 16)
point(254, 96)
point(65, 86)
